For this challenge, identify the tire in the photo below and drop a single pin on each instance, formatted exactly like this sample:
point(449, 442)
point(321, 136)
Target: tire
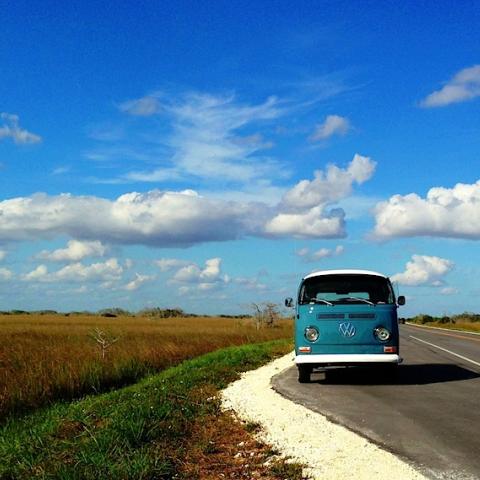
point(304, 373)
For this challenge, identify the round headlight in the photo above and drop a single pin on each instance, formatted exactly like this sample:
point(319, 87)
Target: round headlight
point(382, 334)
point(311, 334)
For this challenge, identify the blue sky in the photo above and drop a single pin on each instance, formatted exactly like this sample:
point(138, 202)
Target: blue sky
point(206, 156)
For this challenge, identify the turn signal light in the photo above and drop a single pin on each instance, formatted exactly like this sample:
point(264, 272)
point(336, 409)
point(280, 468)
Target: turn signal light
point(389, 349)
point(305, 349)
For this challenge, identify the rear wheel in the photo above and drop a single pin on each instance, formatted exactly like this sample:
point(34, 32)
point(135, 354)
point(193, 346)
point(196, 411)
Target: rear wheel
point(304, 372)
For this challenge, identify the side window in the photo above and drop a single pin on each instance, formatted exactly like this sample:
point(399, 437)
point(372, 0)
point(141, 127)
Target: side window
point(392, 291)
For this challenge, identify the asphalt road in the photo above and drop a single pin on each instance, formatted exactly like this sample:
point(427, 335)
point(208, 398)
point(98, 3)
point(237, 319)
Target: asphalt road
point(429, 415)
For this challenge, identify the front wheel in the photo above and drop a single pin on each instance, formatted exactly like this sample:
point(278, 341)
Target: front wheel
point(304, 373)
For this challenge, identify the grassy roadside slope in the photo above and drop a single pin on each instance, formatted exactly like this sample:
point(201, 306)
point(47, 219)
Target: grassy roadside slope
point(141, 431)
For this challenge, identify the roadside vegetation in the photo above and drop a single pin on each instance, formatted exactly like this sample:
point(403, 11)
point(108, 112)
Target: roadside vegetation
point(167, 426)
point(45, 356)
point(465, 321)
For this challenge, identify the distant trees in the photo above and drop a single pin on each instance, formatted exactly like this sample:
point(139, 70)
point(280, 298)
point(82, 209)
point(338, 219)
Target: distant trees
point(465, 317)
point(162, 312)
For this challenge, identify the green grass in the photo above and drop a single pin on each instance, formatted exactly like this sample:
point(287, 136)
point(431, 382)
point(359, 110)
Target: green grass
point(138, 432)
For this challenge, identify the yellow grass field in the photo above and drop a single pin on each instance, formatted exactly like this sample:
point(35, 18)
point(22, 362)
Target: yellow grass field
point(50, 357)
point(467, 326)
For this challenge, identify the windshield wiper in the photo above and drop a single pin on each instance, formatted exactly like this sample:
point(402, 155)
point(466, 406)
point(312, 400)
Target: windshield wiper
point(358, 299)
point(321, 300)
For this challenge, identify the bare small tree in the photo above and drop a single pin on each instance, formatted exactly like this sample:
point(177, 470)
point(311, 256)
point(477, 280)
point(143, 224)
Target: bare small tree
point(270, 314)
point(265, 314)
point(104, 340)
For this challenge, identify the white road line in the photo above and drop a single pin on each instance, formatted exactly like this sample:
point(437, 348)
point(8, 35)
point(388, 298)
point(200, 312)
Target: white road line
point(445, 350)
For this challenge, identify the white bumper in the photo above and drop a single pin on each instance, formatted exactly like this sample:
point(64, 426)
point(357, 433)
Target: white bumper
point(348, 358)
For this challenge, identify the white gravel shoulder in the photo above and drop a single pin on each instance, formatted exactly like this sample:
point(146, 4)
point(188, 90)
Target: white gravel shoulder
point(328, 451)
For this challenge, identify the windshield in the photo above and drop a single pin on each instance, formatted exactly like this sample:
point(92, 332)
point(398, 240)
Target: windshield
point(336, 289)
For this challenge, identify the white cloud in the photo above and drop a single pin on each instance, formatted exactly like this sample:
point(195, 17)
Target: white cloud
point(250, 283)
point(193, 273)
point(309, 256)
point(333, 125)
point(330, 186)
point(138, 281)
point(5, 274)
point(445, 212)
point(108, 270)
point(183, 218)
point(3, 254)
point(465, 85)
point(151, 218)
point(207, 142)
point(38, 274)
point(77, 272)
point(316, 222)
point(60, 170)
point(424, 270)
point(142, 107)
point(11, 129)
point(449, 290)
point(303, 212)
point(194, 277)
point(76, 250)
point(167, 264)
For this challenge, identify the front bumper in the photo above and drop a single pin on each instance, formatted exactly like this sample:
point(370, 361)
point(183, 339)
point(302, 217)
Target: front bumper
point(347, 358)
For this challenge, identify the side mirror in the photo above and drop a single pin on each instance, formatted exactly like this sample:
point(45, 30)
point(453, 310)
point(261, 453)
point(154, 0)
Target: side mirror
point(289, 302)
point(401, 300)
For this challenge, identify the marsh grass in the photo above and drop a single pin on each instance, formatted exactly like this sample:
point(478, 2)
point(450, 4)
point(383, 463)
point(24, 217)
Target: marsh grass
point(44, 358)
point(465, 326)
point(142, 431)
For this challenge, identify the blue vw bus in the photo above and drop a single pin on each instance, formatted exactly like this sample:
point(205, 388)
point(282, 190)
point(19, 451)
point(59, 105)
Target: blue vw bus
point(344, 318)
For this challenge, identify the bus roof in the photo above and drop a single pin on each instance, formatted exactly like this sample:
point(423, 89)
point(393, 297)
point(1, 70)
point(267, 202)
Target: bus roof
point(343, 272)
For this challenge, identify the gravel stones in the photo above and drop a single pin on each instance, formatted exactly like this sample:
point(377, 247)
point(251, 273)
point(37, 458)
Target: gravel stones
point(328, 451)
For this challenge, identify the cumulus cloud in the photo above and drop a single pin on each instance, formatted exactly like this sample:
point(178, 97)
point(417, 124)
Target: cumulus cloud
point(39, 273)
point(195, 277)
point(330, 186)
point(316, 222)
point(183, 218)
point(445, 212)
point(142, 107)
point(77, 272)
point(76, 250)
point(152, 218)
point(193, 273)
point(333, 125)
point(424, 270)
point(5, 274)
point(465, 85)
point(11, 129)
point(303, 211)
point(310, 256)
point(138, 281)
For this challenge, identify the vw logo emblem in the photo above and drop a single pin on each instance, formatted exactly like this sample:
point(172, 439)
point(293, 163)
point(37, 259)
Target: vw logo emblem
point(347, 329)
